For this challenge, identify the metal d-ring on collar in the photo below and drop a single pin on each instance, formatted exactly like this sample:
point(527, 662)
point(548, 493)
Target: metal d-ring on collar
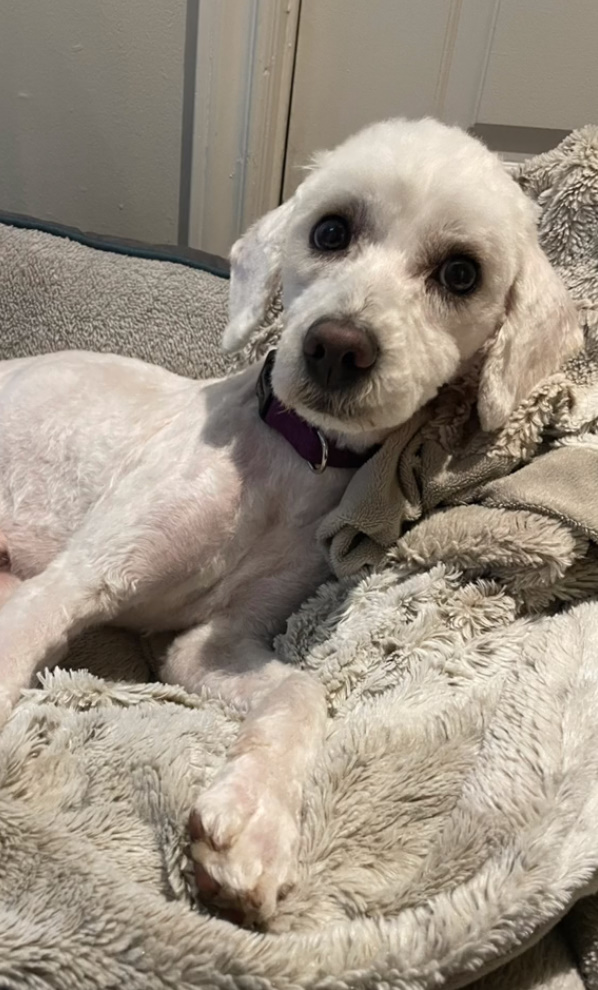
point(318, 468)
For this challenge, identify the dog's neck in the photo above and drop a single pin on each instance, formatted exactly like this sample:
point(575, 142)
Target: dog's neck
point(319, 449)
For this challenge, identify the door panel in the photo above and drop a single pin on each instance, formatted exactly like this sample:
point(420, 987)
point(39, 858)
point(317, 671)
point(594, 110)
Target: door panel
point(525, 69)
point(543, 65)
point(358, 62)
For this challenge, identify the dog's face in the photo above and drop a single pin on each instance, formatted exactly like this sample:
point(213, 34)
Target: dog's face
point(405, 251)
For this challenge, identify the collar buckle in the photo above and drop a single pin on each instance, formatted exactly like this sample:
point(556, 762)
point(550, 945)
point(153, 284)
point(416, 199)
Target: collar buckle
point(319, 468)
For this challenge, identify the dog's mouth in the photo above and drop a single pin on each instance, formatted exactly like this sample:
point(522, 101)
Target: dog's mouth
point(341, 408)
point(363, 408)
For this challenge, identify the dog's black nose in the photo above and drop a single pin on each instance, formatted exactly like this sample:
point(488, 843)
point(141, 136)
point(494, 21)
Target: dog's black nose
point(338, 354)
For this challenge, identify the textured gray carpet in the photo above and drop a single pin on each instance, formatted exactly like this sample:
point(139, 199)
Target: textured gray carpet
point(56, 294)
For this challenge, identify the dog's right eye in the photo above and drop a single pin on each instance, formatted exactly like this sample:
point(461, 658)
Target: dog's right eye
point(459, 274)
point(331, 233)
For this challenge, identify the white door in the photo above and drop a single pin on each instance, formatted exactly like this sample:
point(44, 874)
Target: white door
point(519, 72)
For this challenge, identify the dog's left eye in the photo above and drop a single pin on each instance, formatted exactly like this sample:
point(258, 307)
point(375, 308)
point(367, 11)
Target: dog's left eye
point(330, 234)
point(459, 274)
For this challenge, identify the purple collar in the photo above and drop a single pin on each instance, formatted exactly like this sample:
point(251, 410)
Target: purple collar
point(309, 442)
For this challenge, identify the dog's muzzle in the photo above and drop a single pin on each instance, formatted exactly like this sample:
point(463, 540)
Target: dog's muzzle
point(338, 354)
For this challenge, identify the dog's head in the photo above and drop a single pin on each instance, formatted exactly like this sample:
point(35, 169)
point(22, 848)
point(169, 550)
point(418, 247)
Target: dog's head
point(403, 253)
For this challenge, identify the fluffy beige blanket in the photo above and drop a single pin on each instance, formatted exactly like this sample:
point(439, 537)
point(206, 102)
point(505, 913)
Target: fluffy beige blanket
point(449, 835)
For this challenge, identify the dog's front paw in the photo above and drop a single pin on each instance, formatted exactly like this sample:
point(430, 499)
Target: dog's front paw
point(244, 843)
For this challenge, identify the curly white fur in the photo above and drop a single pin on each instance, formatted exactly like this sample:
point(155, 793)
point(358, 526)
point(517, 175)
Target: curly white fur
point(422, 191)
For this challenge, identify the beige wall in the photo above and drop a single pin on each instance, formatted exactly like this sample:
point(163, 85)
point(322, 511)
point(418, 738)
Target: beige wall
point(93, 93)
point(90, 113)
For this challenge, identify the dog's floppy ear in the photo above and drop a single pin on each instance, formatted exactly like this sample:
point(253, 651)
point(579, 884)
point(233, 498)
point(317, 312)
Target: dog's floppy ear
point(539, 332)
point(255, 267)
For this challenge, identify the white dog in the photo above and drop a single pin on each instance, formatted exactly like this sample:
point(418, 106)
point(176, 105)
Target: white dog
point(133, 496)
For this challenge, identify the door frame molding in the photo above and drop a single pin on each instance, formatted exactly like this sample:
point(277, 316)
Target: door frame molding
point(245, 57)
point(467, 46)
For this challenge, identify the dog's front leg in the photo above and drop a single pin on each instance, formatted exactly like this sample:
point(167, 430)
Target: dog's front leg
point(245, 826)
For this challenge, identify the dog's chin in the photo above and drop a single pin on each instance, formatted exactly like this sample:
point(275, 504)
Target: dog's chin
point(324, 410)
point(336, 413)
